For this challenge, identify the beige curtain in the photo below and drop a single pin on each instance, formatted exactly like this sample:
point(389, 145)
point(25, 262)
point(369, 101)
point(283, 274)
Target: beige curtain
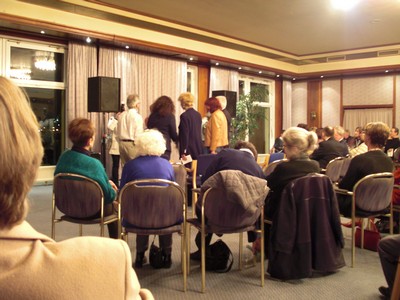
point(223, 79)
point(81, 64)
point(359, 117)
point(147, 76)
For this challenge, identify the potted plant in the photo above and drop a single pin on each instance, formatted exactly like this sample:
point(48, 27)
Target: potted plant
point(248, 113)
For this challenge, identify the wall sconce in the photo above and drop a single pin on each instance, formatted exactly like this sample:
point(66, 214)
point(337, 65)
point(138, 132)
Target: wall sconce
point(313, 115)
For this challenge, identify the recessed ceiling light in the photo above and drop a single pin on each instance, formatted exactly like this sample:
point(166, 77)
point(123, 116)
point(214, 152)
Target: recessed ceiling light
point(259, 72)
point(191, 58)
point(217, 64)
point(294, 79)
point(240, 68)
point(386, 71)
point(42, 32)
point(126, 47)
point(344, 4)
point(322, 76)
point(277, 75)
point(88, 40)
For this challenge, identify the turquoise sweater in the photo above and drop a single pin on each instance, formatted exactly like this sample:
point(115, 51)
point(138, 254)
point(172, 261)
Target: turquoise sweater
point(79, 163)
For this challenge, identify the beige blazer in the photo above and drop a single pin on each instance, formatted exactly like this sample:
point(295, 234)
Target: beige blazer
point(216, 131)
point(33, 266)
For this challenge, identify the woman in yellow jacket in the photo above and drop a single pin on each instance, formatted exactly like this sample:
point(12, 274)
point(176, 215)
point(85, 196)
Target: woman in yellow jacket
point(217, 127)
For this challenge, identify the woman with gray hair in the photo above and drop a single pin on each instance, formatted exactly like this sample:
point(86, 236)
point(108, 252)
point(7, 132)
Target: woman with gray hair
point(147, 164)
point(32, 265)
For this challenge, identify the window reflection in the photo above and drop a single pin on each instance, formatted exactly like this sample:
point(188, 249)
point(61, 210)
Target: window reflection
point(30, 64)
point(46, 104)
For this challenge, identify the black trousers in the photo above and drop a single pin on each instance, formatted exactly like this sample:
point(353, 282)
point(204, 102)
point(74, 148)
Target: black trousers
point(115, 169)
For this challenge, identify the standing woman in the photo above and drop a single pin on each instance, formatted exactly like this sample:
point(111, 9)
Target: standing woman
point(217, 127)
point(162, 118)
point(114, 146)
point(190, 142)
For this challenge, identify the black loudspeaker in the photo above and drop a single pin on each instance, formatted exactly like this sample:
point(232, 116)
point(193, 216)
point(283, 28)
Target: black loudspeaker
point(230, 100)
point(104, 94)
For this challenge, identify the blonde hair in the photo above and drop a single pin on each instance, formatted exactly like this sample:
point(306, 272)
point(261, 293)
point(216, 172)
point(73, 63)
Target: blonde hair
point(299, 142)
point(186, 100)
point(21, 152)
point(150, 142)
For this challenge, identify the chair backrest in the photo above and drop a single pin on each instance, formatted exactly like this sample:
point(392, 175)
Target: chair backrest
point(373, 193)
point(152, 203)
point(271, 167)
point(334, 168)
point(345, 166)
point(230, 203)
point(180, 175)
point(276, 156)
point(396, 154)
point(76, 195)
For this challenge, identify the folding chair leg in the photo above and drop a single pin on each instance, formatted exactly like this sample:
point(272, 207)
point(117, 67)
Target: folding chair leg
point(183, 258)
point(203, 262)
point(240, 250)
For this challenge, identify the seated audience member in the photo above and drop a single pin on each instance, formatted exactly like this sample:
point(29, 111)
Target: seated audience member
point(278, 144)
point(298, 143)
point(348, 138)
point(393, 142)
point(339, 134)
point(362, 147)
point(389, 253)
point(33, 266)
point(78, 161)
point(303, 125)
point(242, 158)
point(357, 136)
point(373, 161)
point(147, 164)
point(329, 148)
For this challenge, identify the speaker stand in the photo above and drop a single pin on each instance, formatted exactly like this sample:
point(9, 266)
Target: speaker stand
point(104, 142)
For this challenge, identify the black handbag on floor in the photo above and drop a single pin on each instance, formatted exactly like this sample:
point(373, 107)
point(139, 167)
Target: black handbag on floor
point(219, 257)
point(156, 256)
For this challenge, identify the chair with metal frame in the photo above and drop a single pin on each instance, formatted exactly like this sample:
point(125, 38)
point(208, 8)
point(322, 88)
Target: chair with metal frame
point(371, 197)
point(306, 235)
point(333, 169)
point(79, 198)
point(197, 170)
point(268, 169)
point(154, 206)
point(222, 212)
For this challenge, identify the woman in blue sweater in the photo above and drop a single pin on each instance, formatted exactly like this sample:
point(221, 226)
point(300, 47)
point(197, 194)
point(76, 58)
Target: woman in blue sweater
point(78, 161)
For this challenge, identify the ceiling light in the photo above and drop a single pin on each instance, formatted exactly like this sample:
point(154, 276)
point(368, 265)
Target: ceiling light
point(217, 64)
point(191, 58)
point(277, 75)
point(240, 68)
point(88, 40)
point(126, 47)
point(259, 72)
point(22, 73)
point(42, 32)
point(344, 4)
point(294, 79)
point(322, 76)
point(386, 71)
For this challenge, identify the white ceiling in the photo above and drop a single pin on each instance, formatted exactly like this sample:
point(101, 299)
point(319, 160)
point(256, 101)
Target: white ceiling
point(299, 27)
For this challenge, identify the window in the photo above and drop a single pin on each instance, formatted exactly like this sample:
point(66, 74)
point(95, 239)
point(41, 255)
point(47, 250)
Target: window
point(263, 137)
point(192, 82)
point(39, 70)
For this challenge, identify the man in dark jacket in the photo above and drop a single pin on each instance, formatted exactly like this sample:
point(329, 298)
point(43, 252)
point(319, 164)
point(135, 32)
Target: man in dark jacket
point(329, 148)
